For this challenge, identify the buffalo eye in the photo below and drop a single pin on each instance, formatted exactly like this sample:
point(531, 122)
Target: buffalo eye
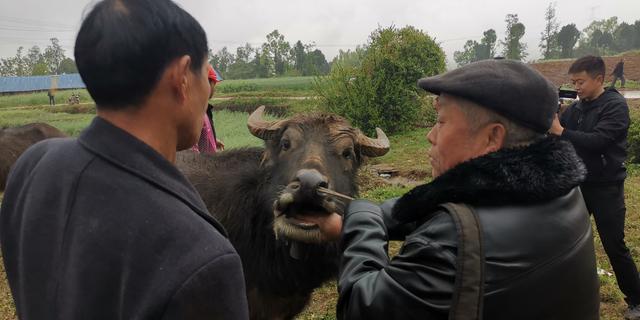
point(285, 144)
point(347, 154)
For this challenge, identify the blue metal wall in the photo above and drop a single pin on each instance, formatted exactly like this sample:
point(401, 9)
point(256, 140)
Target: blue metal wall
point(37, 83)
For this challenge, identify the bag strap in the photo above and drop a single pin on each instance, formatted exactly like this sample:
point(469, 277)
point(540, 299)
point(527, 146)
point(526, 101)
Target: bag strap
point(468, 294)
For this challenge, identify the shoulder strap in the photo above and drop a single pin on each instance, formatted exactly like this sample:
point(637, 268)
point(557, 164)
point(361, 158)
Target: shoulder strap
point(468, 294)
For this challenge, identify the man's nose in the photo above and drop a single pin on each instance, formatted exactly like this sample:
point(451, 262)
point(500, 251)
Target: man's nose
point(431, 135)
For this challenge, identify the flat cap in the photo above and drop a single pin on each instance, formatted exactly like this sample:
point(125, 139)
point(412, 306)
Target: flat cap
point(510, 88)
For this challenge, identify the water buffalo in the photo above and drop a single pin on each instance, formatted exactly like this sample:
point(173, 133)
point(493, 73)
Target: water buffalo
point(268, 200)
point(14, 141)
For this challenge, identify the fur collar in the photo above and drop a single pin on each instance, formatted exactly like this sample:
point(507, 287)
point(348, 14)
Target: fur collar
point(542, 171)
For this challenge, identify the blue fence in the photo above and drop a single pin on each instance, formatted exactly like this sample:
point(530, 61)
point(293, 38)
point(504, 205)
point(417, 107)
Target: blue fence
point(39, 83)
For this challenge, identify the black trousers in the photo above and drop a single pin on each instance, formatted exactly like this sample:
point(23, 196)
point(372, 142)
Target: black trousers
point(606, 203)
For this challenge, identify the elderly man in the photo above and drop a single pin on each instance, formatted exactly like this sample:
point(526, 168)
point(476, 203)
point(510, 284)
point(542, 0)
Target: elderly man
point(105, 226)
point(533, 247)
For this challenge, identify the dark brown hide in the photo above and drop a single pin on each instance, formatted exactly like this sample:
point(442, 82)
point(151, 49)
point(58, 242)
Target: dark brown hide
point(14, 141)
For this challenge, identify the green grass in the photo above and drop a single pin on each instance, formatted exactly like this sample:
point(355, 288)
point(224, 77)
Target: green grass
point(41, 98)
point(269, 93)
point(70, 123)
point(270, 84)
point(629, 85)
point(231, 128)
point(277, 105)
point(383, 193)
point(408, 153)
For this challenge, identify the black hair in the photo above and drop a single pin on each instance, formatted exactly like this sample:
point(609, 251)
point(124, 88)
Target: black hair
point(124, 46)
point(593, 65)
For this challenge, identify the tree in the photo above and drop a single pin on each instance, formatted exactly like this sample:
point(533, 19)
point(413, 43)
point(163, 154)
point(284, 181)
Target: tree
point(221, 60)
point(474, 51)
point(68, 66)
point(35, 62)
point(315, 63)
point(488, 44)
point(625, 37)
point(299, 53)
point(15, 66)
point(243, 66)
point(567, 39)
point(40, 69)
point(243, 54)
point(278, 50)
point(513, 48)
point(468, 54)
point(636, 42)
point(53, 55)
point(264, 63)
point(597, 38)
point(381, 91)
point(213, 59)
point(349, 59)
point(548, 41)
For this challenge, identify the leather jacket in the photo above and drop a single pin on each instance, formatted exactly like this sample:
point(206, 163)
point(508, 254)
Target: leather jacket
point(538, 246)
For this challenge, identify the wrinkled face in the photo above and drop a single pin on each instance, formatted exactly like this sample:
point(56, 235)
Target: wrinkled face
point(452, 140)
point(305, 159)
point(587, 86)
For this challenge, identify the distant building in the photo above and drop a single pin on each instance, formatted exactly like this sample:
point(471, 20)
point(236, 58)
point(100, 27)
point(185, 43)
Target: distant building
point(13, 85)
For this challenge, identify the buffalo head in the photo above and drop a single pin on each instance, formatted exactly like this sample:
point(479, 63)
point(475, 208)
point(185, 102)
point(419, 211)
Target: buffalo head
point(305, 153)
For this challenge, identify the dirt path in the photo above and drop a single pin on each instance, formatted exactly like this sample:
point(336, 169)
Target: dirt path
point(631, 94)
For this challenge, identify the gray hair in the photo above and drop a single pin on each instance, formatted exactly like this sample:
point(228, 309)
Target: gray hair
point(479, 116)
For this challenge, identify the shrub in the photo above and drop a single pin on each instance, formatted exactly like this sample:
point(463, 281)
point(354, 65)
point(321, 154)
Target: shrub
point(382, 91)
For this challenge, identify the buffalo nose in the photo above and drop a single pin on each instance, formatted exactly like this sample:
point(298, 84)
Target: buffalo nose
point(309, 181)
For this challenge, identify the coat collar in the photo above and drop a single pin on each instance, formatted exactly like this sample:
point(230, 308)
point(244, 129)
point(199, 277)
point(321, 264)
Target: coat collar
point(125, 151)
point(542, 171)
point(605, 96)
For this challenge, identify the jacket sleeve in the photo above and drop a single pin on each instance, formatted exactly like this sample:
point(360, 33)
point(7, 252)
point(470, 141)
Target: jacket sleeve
point(613, 122)
point(415, 284)
point(396, 230)
point(564, 117)
point(215, 291)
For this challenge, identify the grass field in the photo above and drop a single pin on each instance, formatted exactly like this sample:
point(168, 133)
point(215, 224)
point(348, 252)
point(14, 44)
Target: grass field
point(408, 155)
point(273, 86)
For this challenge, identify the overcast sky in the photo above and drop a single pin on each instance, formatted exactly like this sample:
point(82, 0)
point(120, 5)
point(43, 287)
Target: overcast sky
point(331, 24)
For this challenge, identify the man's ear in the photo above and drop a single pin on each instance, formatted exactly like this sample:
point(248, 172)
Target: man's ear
point(600, 79)
point(178, 74)
point(496, 135)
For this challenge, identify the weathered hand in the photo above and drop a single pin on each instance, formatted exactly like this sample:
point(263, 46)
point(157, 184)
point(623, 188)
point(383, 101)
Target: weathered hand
point(331, 227)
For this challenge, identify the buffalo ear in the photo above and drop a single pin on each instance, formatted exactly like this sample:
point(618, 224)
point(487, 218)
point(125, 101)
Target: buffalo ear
point(267, 158)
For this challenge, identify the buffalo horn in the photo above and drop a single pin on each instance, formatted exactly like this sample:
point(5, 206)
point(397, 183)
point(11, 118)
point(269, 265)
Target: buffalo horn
point(265, 130)
point(374, 147)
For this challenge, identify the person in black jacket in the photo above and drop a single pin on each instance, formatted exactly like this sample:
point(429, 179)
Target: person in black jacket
point(597, 126)
point(490, 152)
point(618, 73)
point(105, 226)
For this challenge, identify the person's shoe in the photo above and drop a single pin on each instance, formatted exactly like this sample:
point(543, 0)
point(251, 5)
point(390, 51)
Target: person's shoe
point(633, 313)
